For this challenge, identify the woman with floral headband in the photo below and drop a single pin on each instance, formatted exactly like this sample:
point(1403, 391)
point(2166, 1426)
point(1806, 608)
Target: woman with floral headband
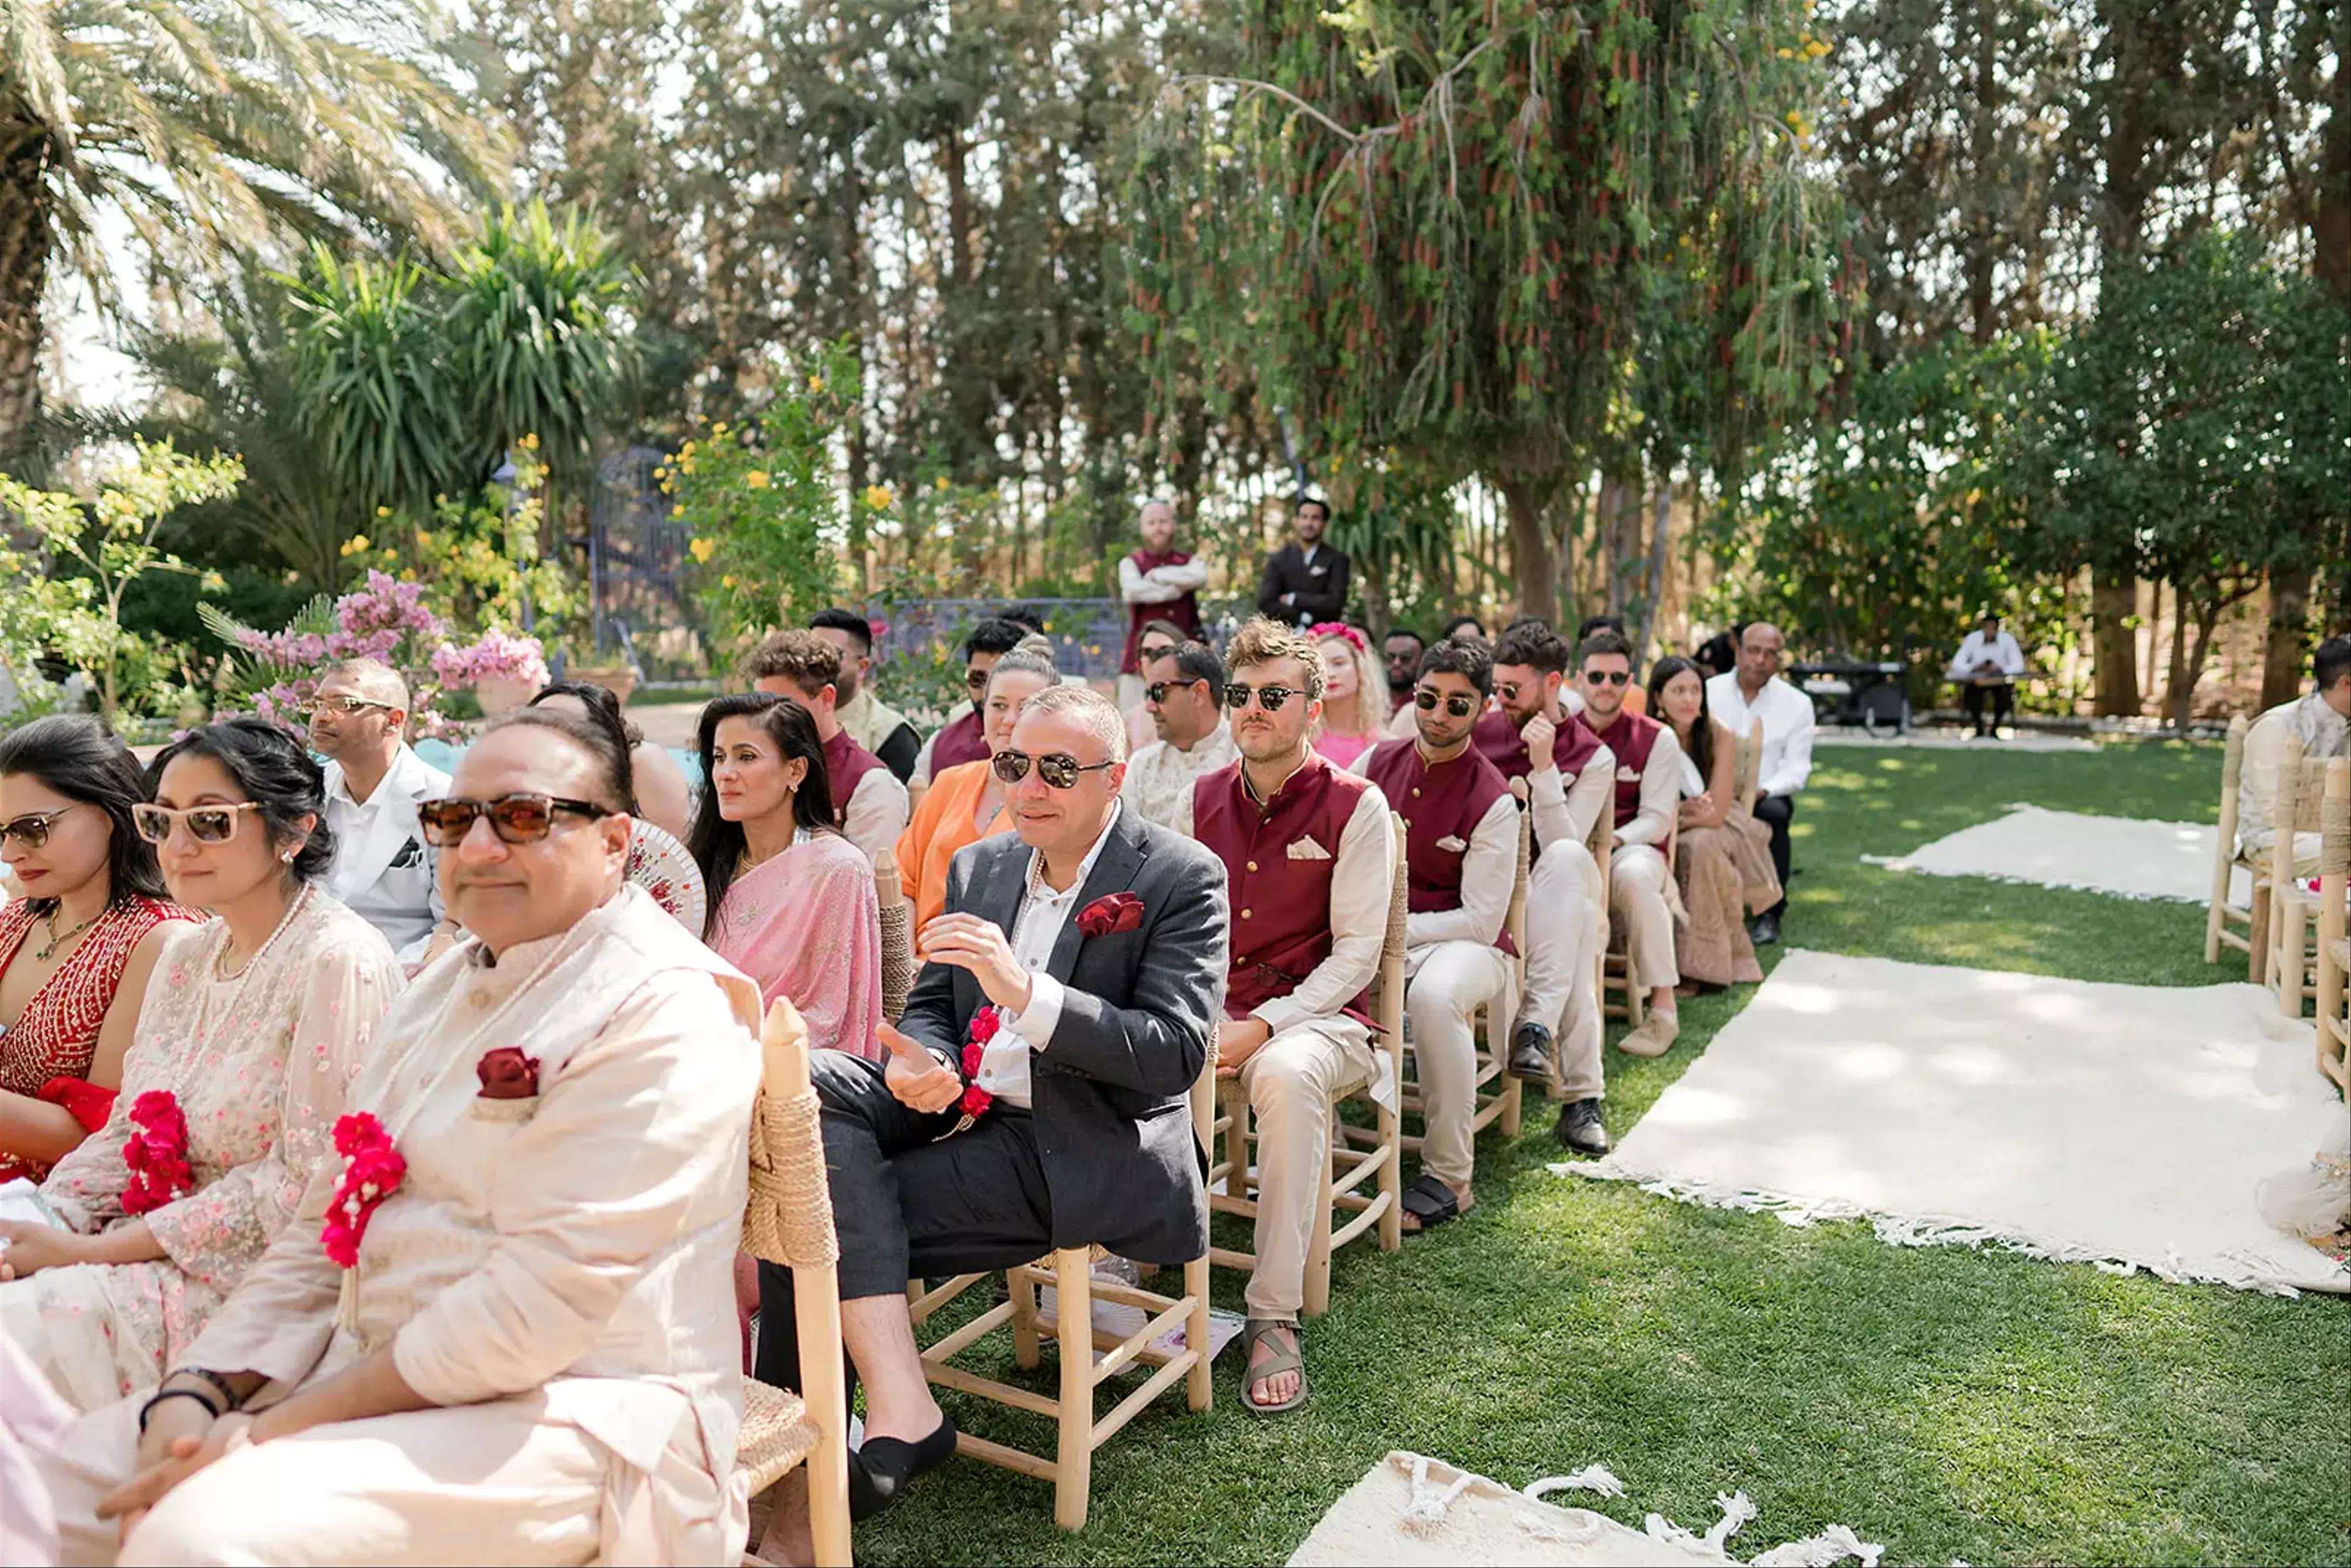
point(1354, 710)
point(252, 1030)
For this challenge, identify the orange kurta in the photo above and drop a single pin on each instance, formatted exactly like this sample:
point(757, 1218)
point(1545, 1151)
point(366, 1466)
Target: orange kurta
point(942, 825)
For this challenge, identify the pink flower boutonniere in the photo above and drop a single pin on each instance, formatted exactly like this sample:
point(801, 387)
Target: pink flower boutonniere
point(372, 1170)
point(508, 1074)
point(157, 1154)
point(1110, 915)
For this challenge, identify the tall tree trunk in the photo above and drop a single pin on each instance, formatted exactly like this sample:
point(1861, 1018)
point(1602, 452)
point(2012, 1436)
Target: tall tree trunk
point(1661, 534)
point(24, 241)
point(1532, 560)
point(2188, 666)
point(1983, 241)
point(2289, 634)
point(2114, 602)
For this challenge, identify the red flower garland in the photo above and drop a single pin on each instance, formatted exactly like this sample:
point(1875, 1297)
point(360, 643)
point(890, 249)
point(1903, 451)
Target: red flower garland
point(985, 1023)
point(157, 1154)
point(372, 1170)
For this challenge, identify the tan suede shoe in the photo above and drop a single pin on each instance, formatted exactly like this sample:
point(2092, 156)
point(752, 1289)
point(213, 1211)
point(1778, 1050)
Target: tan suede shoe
point(1654, 1036)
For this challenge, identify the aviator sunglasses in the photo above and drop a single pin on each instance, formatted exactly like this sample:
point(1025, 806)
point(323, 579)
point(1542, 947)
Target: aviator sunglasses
point(1057, 768)
point(516, 819)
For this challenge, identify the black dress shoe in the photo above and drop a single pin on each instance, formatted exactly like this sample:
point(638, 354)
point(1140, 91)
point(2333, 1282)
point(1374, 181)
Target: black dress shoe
point(880, 1468)
point(1767, 928)
point(1531, 1053)
point(1579, 1130)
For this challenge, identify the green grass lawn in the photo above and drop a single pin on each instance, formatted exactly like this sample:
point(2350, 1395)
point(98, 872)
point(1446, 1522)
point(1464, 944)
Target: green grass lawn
point(1946, 1403)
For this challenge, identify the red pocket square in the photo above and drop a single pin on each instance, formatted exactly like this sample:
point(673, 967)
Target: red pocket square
point(506, 1074)
point(1110, 915)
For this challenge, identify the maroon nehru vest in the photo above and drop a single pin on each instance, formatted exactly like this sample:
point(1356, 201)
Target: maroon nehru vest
point(965, 740)
point(1447, 802)
point(1496, 739)
point(1280, 904)
point(1184, 611)
point(1631, 738)
point(845, 763)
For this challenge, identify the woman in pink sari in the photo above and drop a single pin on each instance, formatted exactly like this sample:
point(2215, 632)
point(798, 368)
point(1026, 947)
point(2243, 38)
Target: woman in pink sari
point(791, 902)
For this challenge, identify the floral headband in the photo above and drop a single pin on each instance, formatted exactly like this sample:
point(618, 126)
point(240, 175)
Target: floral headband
point(1340, 630)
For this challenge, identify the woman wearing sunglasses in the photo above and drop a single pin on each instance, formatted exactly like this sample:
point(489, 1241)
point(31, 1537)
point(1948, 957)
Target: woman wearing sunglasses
point(255, 1023)
point(76, 949)
point(792, 900)
point(966, 802)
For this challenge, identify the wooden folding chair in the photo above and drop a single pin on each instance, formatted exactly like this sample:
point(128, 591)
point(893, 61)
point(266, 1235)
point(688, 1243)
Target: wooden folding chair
point(1505, 1104)
point(1629, 1002)
point(1381, 1162)
point(1747, 774)
point(2333, 1028)
point(788, 1220)
point(915, 789)
point(897, 936)
point(2285, 963)
point(2221, 917)
point(1070, 1271)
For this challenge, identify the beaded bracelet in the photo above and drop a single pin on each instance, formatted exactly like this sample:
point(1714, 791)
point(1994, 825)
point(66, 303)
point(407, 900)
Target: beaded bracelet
point(147, 1409)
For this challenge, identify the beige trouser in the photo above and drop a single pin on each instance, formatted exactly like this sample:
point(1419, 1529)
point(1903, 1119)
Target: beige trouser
point(1638, 875)
point(497, 1482)
point(1450, 982)
point(1292, 1082)
point(1564, 930)
point(2306, 849)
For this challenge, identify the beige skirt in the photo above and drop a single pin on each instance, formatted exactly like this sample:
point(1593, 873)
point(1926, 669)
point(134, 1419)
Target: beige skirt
point(1725, 874)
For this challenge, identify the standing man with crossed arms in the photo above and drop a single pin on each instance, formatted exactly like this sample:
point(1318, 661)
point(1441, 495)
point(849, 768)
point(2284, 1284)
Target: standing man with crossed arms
point(1571, 781)
point(1157, 582)
point(1310, 865)
point(1461, 841)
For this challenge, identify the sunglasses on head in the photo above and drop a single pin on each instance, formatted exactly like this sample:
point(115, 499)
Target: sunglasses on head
point(1059, 770)
point(1152, 651)
point(1158, 690)
point(206, 824)
point(1609, 677)
point(1455, 703)
point(1270, 698)
point(32, 830)
point(516, 819)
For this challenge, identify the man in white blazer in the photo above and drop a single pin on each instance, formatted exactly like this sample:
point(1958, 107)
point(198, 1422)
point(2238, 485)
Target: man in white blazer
point(383, 869)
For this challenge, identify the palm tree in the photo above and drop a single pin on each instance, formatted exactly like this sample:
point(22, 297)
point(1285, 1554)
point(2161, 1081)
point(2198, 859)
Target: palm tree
point(229, 123)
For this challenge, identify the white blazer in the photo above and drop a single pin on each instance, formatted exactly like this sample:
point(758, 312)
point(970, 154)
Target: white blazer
point(383, 870)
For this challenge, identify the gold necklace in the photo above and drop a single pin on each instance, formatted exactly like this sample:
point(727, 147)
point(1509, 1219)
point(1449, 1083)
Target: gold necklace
point(56, 941)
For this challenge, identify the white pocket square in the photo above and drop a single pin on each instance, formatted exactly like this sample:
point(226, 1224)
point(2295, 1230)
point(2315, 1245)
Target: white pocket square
point(1452, 843)
point(1307, 850)
point(1629, 775)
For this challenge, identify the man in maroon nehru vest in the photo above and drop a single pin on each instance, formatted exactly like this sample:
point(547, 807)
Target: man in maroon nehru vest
point(964, 737)
point(1570, 788)
point(1461, 843)
point(1310, 863)
point(868, 801)
point(1157, 582)
point(1648, 796)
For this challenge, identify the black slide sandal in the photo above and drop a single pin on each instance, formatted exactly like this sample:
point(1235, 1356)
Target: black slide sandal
point(1430, 1202)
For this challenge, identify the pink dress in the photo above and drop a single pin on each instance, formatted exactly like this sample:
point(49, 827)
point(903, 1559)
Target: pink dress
point(808, 924)
point(1340, 750)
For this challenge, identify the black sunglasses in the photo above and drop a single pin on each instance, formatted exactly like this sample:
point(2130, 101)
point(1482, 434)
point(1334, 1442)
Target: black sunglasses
point(1457, 705)
point(1270, 698)
point(1158, 690)
point(516, 819)
point(1057, 768)
point(32, 830)
point(976, 680)
point(1609, 677)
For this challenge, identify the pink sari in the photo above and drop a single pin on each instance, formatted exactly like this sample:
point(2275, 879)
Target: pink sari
point(807, 925)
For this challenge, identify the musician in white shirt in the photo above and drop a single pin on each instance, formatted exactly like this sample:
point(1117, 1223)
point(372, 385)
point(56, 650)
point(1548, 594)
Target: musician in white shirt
point(1738, 699)
point(1986, 664)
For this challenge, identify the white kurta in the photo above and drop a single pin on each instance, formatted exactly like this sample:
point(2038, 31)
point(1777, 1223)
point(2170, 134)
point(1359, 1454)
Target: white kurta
point(1159, 777)
point(555, 1273)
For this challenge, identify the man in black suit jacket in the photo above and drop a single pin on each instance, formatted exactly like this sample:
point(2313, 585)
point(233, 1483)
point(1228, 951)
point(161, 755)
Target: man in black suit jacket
point(1095, 941)
point(1305, 583)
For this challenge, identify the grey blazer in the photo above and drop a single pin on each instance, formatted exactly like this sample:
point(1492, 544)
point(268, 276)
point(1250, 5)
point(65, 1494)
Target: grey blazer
point(1112, 1087)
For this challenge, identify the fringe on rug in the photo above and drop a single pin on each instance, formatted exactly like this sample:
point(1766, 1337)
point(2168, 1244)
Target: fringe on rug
point(1905, 1230)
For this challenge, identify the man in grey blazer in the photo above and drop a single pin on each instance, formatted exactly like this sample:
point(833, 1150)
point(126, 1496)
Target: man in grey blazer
point(1035, 1094)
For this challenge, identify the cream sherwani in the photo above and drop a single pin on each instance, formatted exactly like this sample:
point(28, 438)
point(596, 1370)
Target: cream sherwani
point(554, 1274)
point(1159, 777)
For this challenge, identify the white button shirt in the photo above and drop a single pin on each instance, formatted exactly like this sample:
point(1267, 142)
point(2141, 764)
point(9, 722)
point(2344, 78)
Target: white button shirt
point(1975, 649)
point(1005, 1068)
point(1788, 728)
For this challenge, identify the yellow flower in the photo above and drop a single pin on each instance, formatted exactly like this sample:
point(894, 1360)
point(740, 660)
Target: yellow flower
point(1787, 54)
point(702, 549)
point(678, 510)
point(816, 383)
point(726, 582)
point(408, 574)
point(529, 443)
point(686, 450)
point(1796, 118)
point(719, 430)
point(757, 478)
point(685, 465)
point(940, 482)
point(1817, 49)
point(423, 540)
point(383, 511)
point(359, 542)
point(877, 497)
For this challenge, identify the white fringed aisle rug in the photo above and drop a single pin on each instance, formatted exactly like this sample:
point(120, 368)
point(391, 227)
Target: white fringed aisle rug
point(2123, 1125)
point(2121, 856)
point(1410, 1510)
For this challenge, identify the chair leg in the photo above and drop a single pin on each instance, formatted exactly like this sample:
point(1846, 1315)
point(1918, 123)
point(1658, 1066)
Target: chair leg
point(2257, 959)
point(1025, 1341)
point(1391, 1180)
point(1073, 1461)
point(1198, 1387)
point(1513, 1091)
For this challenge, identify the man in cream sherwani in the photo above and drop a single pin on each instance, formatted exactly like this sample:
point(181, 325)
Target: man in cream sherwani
point(536, 1357)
